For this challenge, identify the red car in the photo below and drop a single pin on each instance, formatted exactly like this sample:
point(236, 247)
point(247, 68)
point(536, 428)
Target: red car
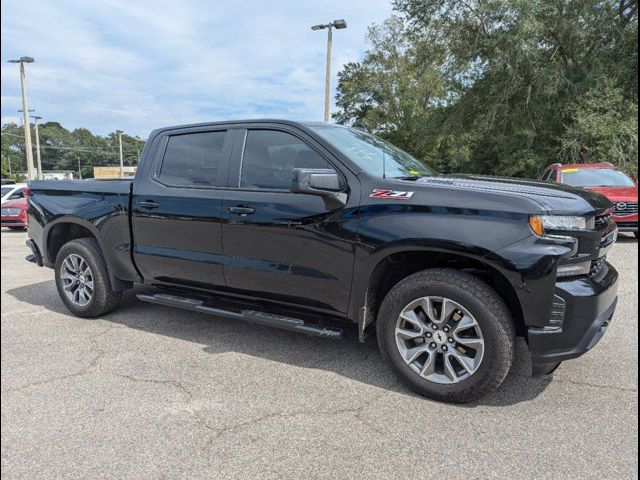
point(606, 179)
point(14, 214)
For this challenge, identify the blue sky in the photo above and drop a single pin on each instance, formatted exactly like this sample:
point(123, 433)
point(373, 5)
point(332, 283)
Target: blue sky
point(137, 65)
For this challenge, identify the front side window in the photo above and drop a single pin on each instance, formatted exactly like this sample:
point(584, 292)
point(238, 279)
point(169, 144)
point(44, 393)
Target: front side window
point(194, 159)
point(374, 155)
point(271, 156)
point(596, 177)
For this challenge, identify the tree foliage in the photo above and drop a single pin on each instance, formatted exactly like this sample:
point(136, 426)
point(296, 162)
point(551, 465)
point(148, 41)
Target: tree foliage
point(501, 86)
point(62, 149)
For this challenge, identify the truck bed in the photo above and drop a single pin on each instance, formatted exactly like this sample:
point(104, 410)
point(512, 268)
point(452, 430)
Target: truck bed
point(99, 206)
point(111, 186)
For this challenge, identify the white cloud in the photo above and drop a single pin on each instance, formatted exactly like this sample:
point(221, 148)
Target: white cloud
point(144, 64)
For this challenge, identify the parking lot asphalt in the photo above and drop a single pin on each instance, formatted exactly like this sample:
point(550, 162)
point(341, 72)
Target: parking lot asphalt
point(149, 392)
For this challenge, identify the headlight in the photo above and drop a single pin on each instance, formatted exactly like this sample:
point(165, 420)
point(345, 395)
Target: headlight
point(540, 223)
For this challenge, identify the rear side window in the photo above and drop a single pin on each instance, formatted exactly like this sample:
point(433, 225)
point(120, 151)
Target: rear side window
point(194, 159)
point(549, 175)
point(270, 157)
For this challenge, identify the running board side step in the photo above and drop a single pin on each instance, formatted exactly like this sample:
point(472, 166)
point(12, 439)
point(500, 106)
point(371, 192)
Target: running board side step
point(252, 316)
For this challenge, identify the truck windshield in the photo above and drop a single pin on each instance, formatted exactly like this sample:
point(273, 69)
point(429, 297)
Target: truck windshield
point(374, 155)
point(596, 177)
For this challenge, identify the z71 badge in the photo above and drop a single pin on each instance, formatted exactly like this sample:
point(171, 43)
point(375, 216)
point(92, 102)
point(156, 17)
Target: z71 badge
point(392, 194)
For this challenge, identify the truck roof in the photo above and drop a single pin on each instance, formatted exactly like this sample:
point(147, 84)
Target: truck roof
point(295, 123)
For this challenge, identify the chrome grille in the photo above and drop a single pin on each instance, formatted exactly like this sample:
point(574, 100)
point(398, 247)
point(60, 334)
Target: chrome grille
point(602, 221)
point(10, 212)
point(626, 208)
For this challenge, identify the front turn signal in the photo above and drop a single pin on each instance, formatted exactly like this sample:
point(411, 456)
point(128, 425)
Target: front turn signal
point(535, 222)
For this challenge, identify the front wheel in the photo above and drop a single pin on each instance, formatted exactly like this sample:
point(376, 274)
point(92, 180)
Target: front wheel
point(447, 335)
point(83, 280)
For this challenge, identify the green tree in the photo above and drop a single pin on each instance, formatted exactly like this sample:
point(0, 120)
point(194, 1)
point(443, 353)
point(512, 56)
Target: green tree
point(62, 149)
point(501, 87)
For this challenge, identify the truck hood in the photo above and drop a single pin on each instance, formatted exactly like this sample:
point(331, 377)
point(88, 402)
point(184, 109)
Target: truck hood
point(551, 197)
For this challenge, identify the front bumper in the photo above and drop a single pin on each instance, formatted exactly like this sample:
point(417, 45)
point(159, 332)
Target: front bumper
point(13, 222)
point(628, 227)
point(590, 305)
point(626, 223)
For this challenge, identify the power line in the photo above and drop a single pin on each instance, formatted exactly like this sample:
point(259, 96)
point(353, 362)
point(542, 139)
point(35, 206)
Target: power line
point(86, 149)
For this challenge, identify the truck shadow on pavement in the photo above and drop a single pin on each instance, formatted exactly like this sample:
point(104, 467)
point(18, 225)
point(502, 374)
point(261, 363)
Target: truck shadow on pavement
point(348, 358)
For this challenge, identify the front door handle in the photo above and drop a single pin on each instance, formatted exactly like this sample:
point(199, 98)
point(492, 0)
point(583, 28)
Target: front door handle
point(150, 204)
point(241, 210)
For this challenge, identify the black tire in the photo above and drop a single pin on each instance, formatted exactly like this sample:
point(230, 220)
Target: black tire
point(104, 298)
point(482, 301)
point(17, 228)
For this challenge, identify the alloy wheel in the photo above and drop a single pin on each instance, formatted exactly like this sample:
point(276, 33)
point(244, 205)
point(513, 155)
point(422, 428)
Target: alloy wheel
point(439, 339)
point(77, 279)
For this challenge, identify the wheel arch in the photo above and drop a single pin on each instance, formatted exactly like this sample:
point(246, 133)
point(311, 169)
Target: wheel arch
point(61, 231)
point(396, 266)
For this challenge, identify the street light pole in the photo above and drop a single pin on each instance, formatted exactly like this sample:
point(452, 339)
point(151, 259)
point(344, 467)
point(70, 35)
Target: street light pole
point(327, 80)
point(25, 114)
point(119, 132)
point(35, 121)
point(338, 24)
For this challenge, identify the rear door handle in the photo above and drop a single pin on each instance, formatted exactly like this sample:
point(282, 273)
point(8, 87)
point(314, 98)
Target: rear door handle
point(150, 204)
point(241, 210)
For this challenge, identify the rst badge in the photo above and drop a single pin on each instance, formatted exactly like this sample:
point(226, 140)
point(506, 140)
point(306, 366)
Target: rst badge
point(391, 194)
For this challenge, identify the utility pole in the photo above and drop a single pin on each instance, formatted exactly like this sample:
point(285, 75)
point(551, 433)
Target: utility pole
point(25, 114)
point(119, 132)
point(35, 121)
point(337, 24)
point(21, 120)
point(79, 170)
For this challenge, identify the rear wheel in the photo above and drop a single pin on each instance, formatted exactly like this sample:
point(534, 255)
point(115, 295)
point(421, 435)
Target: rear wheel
point(82, 279)
point(447, 334)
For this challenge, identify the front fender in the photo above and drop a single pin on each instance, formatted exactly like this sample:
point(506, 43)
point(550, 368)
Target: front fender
point(502, 241)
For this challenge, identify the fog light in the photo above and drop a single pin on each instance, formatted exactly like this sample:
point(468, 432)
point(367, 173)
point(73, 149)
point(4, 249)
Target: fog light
point(574, 269)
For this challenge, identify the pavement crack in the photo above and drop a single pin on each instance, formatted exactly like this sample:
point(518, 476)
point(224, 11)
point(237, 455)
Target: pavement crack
point(92, 367)
point(595, 385)
point(175, 384)
point(84, 371)
point(280, 415)
point(583, 384)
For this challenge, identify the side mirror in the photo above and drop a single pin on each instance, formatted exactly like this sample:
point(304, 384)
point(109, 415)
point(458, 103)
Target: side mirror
point(315, 181)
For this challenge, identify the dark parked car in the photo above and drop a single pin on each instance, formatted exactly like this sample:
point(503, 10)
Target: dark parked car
point(303, 225)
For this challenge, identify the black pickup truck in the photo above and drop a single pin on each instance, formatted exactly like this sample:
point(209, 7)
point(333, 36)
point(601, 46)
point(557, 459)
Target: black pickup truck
point(302, 226)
